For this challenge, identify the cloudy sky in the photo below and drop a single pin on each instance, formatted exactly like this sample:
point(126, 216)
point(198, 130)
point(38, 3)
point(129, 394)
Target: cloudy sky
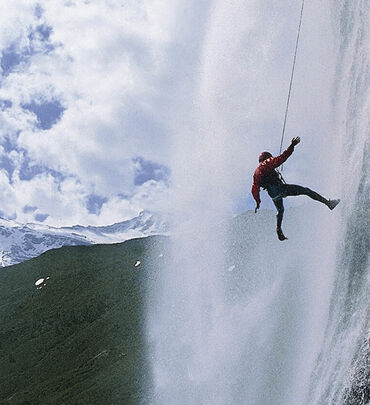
point(108, 105)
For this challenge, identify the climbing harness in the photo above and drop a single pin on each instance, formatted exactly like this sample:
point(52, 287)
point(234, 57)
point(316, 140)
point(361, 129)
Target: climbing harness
point(280, 176)
point(291, 80)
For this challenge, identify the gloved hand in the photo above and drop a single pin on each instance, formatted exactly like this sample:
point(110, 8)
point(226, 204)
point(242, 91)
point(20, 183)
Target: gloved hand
point(295, 141)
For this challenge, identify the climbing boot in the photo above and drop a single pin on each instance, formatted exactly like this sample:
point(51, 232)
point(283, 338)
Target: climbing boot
point(333, 203)
point(280, 234)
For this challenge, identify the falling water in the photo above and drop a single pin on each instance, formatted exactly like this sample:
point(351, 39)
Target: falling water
point(239, 317)
point(342, 373)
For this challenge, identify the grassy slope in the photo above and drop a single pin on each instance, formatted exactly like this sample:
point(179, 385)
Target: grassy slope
point(79, 339)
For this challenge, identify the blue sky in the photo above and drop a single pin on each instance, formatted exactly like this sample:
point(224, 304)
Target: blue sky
point(108, 108)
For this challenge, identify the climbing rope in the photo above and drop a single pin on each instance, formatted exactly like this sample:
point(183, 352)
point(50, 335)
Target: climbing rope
point(291, 80)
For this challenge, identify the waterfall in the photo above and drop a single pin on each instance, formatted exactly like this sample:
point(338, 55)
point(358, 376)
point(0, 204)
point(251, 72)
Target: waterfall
point(239, 317)
point(342, 371)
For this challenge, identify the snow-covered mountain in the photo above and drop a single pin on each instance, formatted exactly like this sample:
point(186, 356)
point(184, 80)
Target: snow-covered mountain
point(19, 242)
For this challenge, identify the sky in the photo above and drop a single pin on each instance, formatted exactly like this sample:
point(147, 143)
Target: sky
point(111, 107)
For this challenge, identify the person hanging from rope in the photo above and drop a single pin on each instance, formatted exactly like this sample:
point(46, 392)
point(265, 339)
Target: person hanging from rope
point(267, 177)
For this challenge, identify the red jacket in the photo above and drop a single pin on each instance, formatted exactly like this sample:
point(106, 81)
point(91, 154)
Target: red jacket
point(265, 168)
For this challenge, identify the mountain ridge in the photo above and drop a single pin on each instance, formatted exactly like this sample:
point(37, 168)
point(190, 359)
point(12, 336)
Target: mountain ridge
point(20, 242)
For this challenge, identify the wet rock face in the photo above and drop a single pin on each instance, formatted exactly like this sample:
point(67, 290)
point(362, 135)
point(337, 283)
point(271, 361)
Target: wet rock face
point(359, 391)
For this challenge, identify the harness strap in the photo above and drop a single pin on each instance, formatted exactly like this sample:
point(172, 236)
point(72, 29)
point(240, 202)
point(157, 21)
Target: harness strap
point(281, 176)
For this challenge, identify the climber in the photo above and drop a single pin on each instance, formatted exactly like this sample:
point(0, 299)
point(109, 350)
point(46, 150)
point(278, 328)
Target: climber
point(267, 177)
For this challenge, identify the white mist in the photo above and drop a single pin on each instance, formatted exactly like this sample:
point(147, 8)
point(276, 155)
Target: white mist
point(248, 336)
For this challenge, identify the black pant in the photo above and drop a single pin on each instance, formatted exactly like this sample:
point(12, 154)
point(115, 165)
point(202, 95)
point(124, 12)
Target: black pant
point(278, 193)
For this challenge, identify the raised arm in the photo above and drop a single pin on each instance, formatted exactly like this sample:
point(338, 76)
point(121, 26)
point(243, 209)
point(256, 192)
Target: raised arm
point(279, 160)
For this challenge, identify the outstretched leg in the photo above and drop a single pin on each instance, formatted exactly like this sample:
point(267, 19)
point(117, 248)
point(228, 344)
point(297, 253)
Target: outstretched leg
point(293, 189)
point(279, 217)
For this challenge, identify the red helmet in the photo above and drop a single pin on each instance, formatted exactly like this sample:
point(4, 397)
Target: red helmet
point(263, 156)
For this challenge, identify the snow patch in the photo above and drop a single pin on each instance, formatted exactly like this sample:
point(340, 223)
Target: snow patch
point(231, 268)
point(39, 281)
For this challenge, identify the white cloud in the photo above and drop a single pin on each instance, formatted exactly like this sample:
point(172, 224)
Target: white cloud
point(65, 201)
point(106, 70)
point(15, 16)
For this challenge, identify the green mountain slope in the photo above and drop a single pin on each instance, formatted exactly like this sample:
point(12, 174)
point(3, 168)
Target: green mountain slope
point(80, 338)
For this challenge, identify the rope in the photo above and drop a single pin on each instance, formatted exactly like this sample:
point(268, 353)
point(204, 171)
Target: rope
point(291, 80)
